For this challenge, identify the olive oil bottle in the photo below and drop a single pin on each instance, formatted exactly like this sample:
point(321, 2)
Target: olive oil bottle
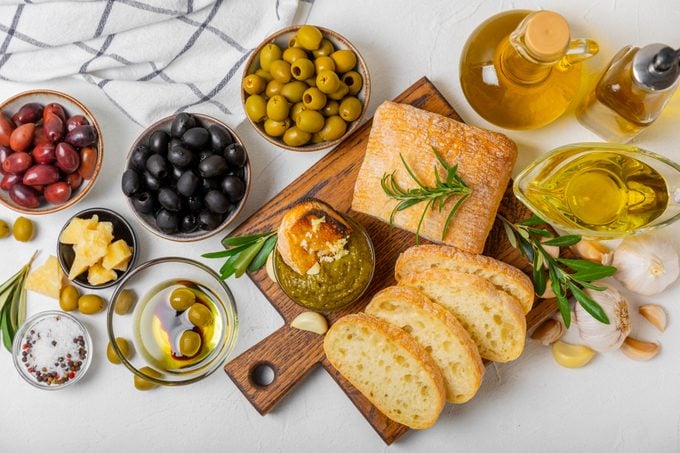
point(521, 69)
point(602, 190)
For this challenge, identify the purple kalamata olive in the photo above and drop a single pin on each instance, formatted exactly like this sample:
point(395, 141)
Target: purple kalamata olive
point(75, 121)
point(8, 181)
point(82, 136)
point(28, 113)
point(22, 137)
point(75, 180)
point(41, 175)
point(7, 126)
point(68, 159)
point(54, 127)
point(25, 196)
point(57, 193)
point(55, 109)
point(17, 163)
point(44, 153)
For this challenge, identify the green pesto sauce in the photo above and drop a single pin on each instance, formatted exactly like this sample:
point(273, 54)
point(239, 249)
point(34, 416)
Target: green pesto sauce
point(337, 284)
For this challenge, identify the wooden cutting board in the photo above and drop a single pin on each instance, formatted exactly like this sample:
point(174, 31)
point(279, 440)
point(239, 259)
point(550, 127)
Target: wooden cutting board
point(292, 353)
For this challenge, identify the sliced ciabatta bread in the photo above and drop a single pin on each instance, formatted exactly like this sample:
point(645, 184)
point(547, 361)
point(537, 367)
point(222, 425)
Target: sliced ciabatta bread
point(494, 319)
point(388, 367)
point(439, 332)
point(502, 275)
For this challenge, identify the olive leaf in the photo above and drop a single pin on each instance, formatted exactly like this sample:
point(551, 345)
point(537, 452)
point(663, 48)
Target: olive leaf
point(244, 253)
point(13, 304)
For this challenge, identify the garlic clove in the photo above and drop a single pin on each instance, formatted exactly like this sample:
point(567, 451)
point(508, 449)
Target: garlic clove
point(593, 251)
point(548, 332)
point(269, 267)
point(548, 293)
point(640, 350)
point(572, 355)
point(552, 250)
point(655, 315)
point(310, 321)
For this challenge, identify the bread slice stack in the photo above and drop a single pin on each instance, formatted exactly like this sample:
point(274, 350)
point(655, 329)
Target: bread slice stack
point(422, 342)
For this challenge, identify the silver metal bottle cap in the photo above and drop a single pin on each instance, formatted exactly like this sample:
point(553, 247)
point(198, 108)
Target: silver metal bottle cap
point(656, 66)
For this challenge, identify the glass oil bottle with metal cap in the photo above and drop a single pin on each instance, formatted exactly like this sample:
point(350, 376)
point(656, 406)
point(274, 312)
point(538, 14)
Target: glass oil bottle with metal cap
point(632, 92)
point(521, 69)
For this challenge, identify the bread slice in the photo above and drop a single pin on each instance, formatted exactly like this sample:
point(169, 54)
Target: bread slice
point(505, 277)
point(494, 319)
point(439, 332)
point(309, 232)
point(388, 367)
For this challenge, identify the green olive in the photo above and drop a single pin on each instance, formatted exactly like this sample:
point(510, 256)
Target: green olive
point(280, 70)
point(350, 108)
point(294, 53)
point(256, 107)
point(143, 384)
point(309, 37)
point(182, 298)
point(311, 81)
point(294, 43)
point(330, 109)
point(313, 99)
point(345, 60)
point(4, 229)
point(270, 52)
point(354, 82)
point(324, 64)
point(316, 138)
point(125, 302)
point(327, 81)
point(302, 69)
point(294, 136)
point(68, 298)
point(200, 315)
point(293, 91)
point(296, 110)
point(90, 304)
point(334, 128)
point(278, 108)
point(266, 75)
point(325, 49)
point(276, 128)
point(124, 348)
point(310, 121)
point(274, 87)
point(340, 93)
point(23, 229)
point(253, 84)
point(190, 343)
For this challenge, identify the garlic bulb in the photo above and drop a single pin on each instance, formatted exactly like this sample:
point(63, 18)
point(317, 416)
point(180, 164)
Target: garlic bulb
point(596, 335)
point(646, 265)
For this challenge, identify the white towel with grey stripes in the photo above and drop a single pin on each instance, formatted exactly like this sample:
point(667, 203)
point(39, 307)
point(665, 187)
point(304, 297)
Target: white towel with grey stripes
point(150, 57)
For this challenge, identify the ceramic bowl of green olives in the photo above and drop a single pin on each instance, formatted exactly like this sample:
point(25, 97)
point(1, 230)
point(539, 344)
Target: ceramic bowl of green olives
point(171, 321)
point(187, 177)
point(305, 88)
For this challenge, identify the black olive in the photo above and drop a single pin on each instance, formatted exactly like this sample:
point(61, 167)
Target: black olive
point(139, 157)
point(180, 156)
point(196, 138)
point(216, 201)
point(235, 155)
point(143, 203)
point(209, 220)
point(175, 174)
point(152, 183)
point(234, 188)
point(212, 166)
point(158, 142)
point(188, 224)
point(220, 138)
point(131, 182)
point(169, 199)
point(182, 123)
point(236, 171)
point(175, 142)
point(157, 166)
point(209, 184)
point(188, 183)
point(166, 221)
point(204, 154)
point(195, 204)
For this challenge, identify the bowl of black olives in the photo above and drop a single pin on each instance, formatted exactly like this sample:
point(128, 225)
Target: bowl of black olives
point(187, 177)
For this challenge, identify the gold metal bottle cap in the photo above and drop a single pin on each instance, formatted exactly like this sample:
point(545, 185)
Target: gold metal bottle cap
point(547, 35)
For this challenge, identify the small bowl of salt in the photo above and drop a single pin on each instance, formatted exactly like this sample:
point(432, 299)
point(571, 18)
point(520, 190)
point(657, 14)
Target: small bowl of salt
point(52, 350)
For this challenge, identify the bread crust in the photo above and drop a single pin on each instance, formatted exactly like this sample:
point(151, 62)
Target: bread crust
point(507, 278)
point(419, 301)
point(404, 341)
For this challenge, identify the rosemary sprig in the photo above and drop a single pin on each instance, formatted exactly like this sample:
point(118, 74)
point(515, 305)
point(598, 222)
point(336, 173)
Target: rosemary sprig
point(434, 197)
point(244, 253)
point(13, 304)
point(565, 274)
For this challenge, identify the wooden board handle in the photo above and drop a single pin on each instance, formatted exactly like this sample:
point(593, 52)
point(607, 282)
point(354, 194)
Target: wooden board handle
point(289, 354)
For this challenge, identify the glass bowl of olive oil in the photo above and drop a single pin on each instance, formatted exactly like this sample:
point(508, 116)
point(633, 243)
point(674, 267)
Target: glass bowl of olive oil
point(178, 317)
point(602, 190)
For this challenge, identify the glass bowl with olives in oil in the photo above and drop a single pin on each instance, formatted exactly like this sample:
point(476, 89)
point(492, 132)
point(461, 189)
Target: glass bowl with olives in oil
point(177, 316)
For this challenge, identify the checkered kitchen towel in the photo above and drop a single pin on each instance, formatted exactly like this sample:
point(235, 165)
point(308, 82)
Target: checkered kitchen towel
point(150, 57)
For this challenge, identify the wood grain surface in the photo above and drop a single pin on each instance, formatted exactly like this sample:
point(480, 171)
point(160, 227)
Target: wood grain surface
point(293, 353)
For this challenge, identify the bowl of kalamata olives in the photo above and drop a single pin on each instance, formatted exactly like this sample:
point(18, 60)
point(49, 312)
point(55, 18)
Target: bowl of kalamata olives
point(51, 151)
point(305, 88)
point(187, 177)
